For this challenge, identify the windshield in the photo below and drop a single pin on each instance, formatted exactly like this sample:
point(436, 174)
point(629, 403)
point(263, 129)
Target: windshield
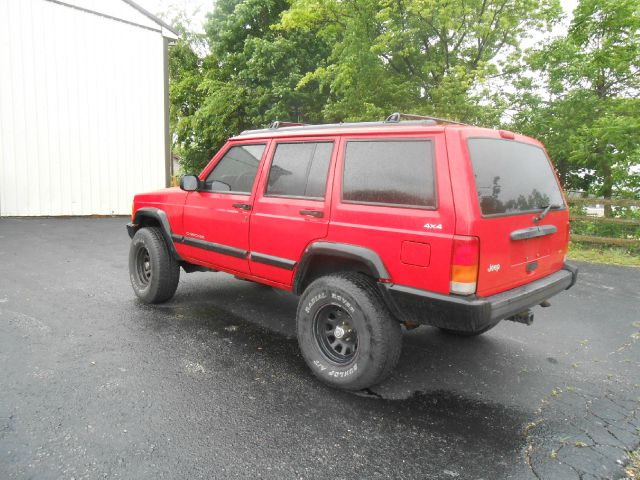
point(512, 177)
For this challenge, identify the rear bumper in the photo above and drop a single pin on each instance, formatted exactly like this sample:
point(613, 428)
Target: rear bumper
point(471, 313)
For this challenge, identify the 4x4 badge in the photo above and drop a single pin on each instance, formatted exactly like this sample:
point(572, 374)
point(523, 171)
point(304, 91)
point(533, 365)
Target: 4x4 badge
point(433, 226)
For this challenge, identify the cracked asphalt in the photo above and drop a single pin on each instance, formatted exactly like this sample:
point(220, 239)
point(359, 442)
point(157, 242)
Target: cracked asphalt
point(94, 384)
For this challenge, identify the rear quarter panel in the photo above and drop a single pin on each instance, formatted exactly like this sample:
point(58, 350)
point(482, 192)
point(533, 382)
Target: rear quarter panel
point(413, 254)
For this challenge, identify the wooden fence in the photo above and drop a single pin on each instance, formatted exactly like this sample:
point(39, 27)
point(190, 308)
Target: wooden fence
point(614, 241)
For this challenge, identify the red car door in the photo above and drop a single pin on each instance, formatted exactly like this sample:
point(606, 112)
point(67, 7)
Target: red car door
point(216, 216)
point(292, 205)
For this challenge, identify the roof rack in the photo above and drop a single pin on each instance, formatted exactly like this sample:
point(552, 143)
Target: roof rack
point(279, 124)
point(397, 118)
point(394, 118)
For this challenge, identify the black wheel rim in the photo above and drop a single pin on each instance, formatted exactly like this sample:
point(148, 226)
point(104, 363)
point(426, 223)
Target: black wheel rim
point(335, 333)
point(143, 266)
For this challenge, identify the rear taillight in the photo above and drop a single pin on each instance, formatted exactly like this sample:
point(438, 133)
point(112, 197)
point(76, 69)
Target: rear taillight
point(464, 265)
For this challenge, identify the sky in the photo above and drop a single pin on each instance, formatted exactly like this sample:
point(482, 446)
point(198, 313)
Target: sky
point(199, 8)
point(196, 8)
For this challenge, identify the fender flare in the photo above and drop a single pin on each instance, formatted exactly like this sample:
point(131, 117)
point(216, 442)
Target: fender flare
point(343, 250)
point(165, 227)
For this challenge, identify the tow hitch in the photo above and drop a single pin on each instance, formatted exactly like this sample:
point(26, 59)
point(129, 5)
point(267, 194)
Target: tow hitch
point(525, 317)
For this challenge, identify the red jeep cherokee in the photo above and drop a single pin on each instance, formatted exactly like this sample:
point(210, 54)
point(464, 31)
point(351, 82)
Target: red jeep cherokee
point(374, 225)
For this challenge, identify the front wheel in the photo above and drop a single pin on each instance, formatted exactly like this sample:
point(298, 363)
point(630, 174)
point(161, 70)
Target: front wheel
point(153, 271)
point(346, 333)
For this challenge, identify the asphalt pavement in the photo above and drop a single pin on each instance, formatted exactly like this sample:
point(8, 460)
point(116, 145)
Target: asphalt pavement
point(94, 384)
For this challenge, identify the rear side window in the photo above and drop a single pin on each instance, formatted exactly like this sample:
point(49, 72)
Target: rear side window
point(390, 172)
point(236, 171)
point(512, 177)
point(300, 170)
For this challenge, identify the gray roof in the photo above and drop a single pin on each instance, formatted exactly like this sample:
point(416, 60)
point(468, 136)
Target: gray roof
point(151, 16)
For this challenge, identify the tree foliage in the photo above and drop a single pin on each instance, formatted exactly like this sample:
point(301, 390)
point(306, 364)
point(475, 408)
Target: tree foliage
point(588, 113)
point(248, 79)
point(429, 56)
point(349, 60)
point(186, 94)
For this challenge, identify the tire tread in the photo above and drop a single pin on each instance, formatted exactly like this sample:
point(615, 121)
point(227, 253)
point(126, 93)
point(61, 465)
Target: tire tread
point(387, 335)
point(167, 275)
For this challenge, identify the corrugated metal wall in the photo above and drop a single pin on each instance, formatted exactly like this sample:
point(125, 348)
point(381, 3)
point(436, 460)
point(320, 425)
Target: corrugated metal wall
point(81, 111)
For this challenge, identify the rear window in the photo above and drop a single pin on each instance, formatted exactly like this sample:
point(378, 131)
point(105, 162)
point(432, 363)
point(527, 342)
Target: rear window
point(512, 177)
point(390, 172)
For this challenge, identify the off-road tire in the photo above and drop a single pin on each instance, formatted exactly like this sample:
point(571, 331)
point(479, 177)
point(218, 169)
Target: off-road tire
point(158, 282)
point(379, 336)
point(464, 333)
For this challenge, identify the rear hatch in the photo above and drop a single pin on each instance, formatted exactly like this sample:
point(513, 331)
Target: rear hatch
point(523, 221)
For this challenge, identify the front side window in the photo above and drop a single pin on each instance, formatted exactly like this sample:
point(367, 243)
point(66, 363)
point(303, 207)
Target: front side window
point(300, 170)
point(390, 172)
point(512, 177)
point(236, 171)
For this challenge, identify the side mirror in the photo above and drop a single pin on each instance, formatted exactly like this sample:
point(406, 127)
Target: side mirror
point(189, 183)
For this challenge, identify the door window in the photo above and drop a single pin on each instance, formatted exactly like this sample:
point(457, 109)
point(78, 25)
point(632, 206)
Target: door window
point(300, 170)
point(236, 171)
point(390, 172)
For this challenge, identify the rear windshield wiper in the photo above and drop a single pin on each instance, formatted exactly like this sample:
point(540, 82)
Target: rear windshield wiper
point(545, 211)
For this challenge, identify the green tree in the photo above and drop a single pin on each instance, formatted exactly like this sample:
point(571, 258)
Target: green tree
point(248, 78)
point(185, 93)
point(590, 121)
point(430, 56)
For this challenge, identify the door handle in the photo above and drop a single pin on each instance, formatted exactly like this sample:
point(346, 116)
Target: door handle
point(312, 213)
point(242, 206)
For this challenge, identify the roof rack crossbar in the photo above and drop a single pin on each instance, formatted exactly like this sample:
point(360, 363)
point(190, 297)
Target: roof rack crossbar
point(279, 124)
point(397, 118)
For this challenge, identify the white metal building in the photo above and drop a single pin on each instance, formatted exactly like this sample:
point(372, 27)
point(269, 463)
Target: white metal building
point(83, 106)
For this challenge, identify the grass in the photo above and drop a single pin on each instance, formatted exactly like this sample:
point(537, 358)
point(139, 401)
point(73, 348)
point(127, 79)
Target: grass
point(633, 468)
point(603, 254)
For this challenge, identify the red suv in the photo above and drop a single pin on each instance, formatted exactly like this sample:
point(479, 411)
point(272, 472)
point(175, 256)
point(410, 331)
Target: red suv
point(374, 225)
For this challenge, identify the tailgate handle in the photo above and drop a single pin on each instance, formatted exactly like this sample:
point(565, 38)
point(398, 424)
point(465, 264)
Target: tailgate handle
point(533, 232)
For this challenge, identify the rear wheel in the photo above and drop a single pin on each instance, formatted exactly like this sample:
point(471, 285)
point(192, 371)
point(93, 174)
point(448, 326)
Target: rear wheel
point(346, 333)
point(153, 271)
